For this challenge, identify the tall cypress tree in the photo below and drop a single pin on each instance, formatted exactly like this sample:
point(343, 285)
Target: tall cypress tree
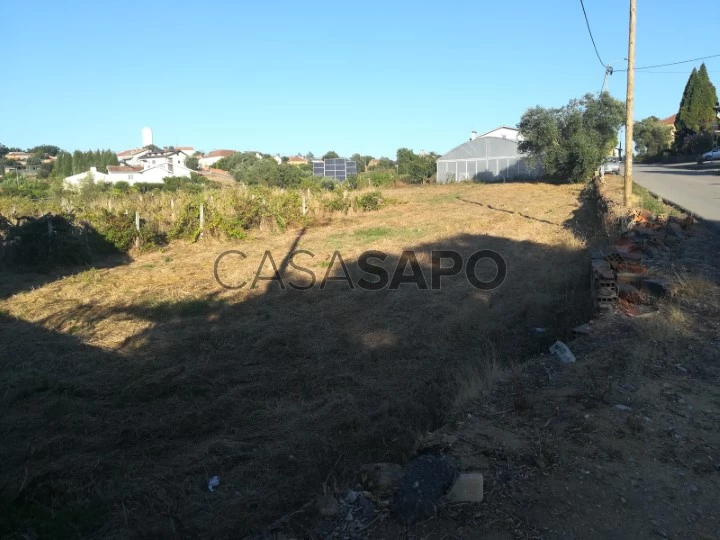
point(697, 108)
point(681, 127)
point(704, 103)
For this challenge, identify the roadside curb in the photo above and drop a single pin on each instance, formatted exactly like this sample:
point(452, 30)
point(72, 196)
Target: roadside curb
point(714, 224)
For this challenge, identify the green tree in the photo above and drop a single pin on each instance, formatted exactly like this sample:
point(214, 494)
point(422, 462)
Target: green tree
point(385, 163)
point(697, 114)
point(362, 161)
point(330, 155)
point(651, 137)
point(236, 160)
point(418, 168)
point(43, 149)
point(192, 162)
point(570, 142)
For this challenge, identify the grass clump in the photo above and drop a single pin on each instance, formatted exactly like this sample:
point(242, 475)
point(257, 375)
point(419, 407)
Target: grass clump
point(648, 200)
point(370, 201)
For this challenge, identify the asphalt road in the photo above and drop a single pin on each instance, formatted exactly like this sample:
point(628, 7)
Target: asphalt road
point(694, 187)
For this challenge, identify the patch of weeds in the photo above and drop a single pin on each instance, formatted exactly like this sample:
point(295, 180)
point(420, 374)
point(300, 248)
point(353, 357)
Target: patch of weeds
point(168, 259)
point(649, 202)
point(91, 277)
point(337, 203)
point(371, 201)
point(148, 266)
point(448, 197)
point(373, 233)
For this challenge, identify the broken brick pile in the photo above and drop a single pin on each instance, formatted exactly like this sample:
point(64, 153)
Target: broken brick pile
point(620, 274)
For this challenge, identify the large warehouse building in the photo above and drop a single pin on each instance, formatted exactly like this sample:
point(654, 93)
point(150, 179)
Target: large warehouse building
point(490, 157)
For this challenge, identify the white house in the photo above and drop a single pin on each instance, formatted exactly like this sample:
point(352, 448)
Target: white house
point(93, 173)
point(132, 157)
point(158, 165)
point(211, 158)
point(154, 167)
point(124, 173)
point(502, 132)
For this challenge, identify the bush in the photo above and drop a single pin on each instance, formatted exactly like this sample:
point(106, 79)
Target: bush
point(327, 184)
point(30, 189)
point(112, 232)
point(337, 203)
point(187, 226)
point(370, 201)
point(50, 239)
point(121, 186)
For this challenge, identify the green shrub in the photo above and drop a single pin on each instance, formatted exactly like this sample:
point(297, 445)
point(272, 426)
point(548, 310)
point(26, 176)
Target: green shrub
point(338, 202)
point(187, 225)
point(370, 201)
point(327, 184)
point(112, 232)
point(121, 186)
point(46, 240)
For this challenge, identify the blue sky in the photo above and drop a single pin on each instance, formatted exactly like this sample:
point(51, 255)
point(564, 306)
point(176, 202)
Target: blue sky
point(287, 77)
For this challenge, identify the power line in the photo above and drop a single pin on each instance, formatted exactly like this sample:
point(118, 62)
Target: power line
point(674, 63)
point(587, 22)
point(670, 72)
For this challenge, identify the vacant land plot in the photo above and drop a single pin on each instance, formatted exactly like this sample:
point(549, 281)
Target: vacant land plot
point(126, 387)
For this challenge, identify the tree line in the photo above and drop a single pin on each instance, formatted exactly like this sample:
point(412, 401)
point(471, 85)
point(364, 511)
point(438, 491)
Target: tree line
point(695, 121)
point(78, 162)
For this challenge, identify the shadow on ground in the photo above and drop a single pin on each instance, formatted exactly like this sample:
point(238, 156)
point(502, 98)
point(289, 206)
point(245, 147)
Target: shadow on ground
point(278, 395)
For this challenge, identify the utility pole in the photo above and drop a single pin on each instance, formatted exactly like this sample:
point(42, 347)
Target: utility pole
point(629, 102)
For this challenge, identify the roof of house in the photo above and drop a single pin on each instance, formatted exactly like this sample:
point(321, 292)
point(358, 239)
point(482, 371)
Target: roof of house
point(499, 127)
point(669, 121)
point(123, 169)
point(185, 148)
point(11, 155)
point(220, 153)
point(162, 154)
point(132, 152)
point(297, 158)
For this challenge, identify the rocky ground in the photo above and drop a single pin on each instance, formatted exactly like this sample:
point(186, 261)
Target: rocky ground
point(623, 443)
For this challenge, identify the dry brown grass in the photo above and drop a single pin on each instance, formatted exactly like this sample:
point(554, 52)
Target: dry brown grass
point(127, 386)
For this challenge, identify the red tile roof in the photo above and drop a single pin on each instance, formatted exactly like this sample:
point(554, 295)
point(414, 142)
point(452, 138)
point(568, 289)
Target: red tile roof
point(669, 121)
point(123, 169)
point(220, 153)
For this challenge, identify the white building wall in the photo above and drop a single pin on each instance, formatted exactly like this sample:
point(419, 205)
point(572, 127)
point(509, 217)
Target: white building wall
point(207, 162)
point(504, 133)
point(75, 179)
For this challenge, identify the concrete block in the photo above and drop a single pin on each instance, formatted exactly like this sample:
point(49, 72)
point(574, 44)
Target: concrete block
point(467, 488)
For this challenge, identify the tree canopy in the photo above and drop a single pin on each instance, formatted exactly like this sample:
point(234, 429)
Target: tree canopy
point(697, 114)
point(418, 167)
point(651, 137)
point(330, 155)
point(192, 162)
point(570, 142)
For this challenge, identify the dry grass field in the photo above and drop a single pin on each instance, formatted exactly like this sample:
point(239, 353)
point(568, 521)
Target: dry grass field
point(127, 385)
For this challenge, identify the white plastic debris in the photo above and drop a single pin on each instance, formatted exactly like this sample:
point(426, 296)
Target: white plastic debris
point(561, 351)
point(213, 482)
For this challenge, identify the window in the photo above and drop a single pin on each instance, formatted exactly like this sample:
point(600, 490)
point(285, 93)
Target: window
point(130, 176)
